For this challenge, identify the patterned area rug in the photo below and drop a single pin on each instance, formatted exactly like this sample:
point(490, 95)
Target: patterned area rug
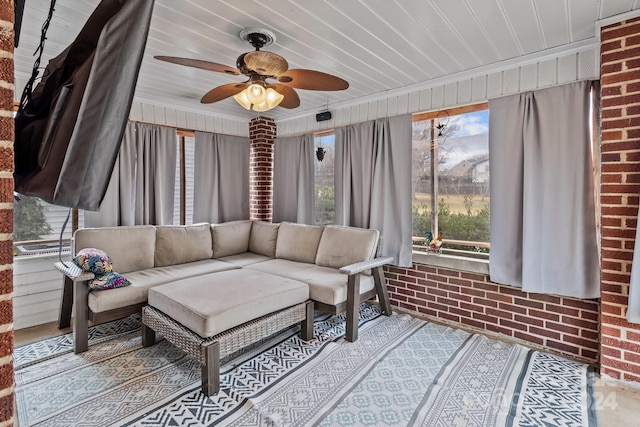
point(401, 371)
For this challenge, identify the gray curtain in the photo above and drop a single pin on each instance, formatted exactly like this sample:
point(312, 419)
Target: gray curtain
point(293, 179)
point(543, 229)
point(373, 181)
point(221, 172)
point(633, 311)
point(141, 189)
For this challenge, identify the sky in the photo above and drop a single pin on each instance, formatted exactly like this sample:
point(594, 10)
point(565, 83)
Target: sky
point(471, 124)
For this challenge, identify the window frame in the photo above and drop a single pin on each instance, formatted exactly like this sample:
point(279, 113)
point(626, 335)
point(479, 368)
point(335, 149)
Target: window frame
point(419, 242)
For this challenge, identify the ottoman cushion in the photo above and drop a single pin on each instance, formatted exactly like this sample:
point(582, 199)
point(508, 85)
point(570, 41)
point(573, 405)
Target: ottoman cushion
point(213, 303)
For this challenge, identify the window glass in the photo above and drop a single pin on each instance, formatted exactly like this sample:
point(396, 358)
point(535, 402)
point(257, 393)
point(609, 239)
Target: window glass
point(324, 173)
point(34, 219)
point(189, 158)
point(459, 145)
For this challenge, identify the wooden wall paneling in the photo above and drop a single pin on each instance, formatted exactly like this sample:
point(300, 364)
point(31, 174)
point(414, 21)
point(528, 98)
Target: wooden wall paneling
point(528, 77)
point(181, 119)
point(464, 91)
point(135, 114)
point(548, 73)
point(170, 117)
point(511, 81)
point(587, 65)
point(494, 85)
point(402, 104)
point(148, 113)
point(451, 94)
point(437, 97)
point(191, 120)
point(392, 106)
point(479, 88)
point(413, 102)
point(426, 99)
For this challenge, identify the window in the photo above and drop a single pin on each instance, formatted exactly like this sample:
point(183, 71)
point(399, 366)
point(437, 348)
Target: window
point(183, 191)
point(450, 173)
point(324, 167)
point(39, 221)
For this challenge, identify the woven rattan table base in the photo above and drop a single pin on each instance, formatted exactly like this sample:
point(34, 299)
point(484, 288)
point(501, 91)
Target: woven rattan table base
point(209, 351)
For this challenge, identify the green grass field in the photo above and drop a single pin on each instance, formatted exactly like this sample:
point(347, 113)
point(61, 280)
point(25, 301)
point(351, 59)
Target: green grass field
point(456, 203)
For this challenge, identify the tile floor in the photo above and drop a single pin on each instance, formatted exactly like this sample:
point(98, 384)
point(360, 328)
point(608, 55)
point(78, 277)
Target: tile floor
point(618, 404)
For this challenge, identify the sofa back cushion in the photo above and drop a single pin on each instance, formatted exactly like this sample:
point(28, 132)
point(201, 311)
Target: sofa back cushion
point(340, 246)
point(263, 238)
point(130, 248)
point(230, 238)
point(298, 242)
point(178, 244)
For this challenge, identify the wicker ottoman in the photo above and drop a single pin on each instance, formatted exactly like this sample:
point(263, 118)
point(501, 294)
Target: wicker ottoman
point(214, 315)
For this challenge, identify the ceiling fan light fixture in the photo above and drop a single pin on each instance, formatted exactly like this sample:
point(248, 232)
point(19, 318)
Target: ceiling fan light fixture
point(242, 99)
point(259, 99)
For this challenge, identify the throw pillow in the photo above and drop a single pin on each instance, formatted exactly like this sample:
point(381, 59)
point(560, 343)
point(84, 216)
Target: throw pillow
point(93, 260)
point(108, 281)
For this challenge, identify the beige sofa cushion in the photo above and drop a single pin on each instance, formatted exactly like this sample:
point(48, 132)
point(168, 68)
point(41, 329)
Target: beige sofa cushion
point(298, 242)
point(143, 280)
point(326, 285)
point(118, 242)
point(230, 238)
point(264, 236)
point(182, 243)
point(340, 246)
point(214, 303)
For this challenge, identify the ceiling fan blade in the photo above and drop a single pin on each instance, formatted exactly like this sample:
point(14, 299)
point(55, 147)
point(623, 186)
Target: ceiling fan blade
point(291, 98)
point(312, 80)
point(266, 63)
point(198, 63)
point(222, 92)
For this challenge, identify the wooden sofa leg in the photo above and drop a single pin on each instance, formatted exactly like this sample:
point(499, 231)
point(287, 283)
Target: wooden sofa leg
point(81, 318)
point(381, 289)
point(306, 326)
point(148, 336)
point(353, 306)
point(210, 371)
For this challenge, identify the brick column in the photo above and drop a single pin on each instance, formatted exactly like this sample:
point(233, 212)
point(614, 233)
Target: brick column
point(262, 131)
point(620, 190)
point(6, 212)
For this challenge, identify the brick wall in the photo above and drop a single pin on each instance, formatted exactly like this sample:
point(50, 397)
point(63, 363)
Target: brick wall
point(562, 325)
point(620, 190)
point(6, 211)
point(262, 131)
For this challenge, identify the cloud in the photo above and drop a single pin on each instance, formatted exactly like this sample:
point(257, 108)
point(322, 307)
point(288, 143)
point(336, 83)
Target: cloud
point(470, 124)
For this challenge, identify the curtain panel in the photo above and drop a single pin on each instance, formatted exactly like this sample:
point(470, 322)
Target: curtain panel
point(293, 179)
point(141, 189)
point(543, 228)
point(633, 311)
point(221, 173)
point(373, 182)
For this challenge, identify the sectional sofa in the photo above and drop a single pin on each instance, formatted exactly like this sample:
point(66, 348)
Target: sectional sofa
point(337, 263)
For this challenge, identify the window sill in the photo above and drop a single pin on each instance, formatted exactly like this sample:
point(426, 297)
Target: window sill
point(471, 265)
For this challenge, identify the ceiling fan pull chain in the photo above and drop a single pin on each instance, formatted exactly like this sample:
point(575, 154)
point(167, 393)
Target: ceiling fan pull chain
point(26, 93)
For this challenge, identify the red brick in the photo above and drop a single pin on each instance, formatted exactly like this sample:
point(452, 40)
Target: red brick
point(527, 337)
point(529, 320)
point(544, 332)
point(563, 347)
point(513, 308)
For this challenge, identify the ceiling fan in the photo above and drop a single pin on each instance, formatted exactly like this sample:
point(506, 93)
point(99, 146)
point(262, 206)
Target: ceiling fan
point(258, 92)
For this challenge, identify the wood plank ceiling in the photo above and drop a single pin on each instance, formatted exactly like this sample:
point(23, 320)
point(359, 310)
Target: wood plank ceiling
point(376, 45)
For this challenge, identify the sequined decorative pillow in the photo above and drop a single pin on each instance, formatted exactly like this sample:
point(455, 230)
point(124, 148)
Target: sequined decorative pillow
point(93, 260)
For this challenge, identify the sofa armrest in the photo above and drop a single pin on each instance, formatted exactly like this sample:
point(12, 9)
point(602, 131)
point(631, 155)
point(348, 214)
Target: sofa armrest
point(359, 267)
point(74, 272)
